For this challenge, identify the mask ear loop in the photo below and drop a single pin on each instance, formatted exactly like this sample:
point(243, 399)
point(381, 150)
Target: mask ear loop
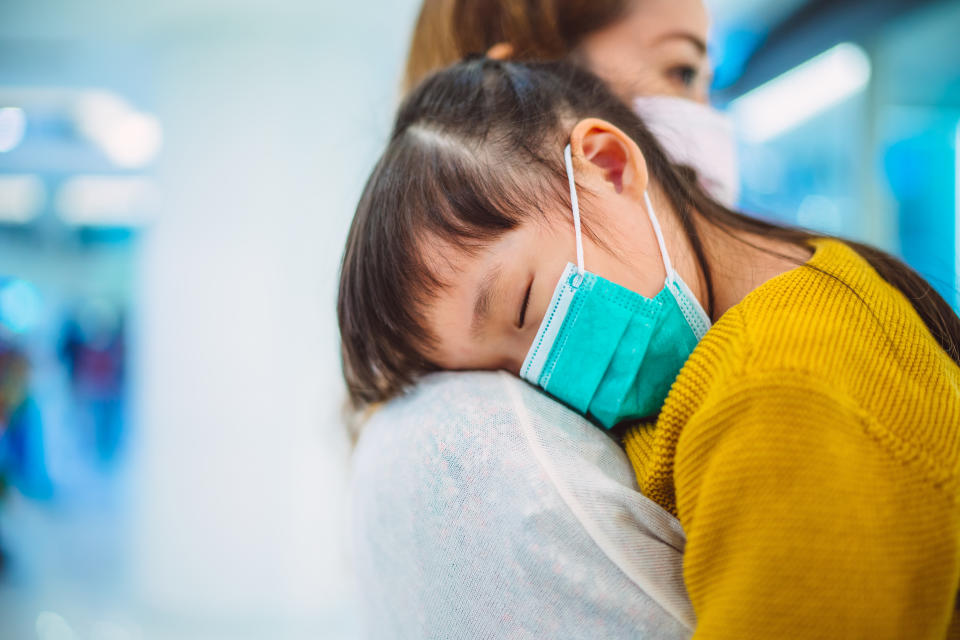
point(656, 230)
point(575, 205)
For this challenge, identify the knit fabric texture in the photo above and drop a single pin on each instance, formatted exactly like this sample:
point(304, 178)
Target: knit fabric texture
point(810, 448)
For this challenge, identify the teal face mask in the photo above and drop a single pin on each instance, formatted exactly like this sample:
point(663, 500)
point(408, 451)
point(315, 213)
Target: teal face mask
point(608, 351)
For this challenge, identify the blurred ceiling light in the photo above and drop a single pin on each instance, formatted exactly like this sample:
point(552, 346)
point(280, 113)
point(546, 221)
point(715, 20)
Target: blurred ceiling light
point(796, 96)
point(107, 201)
point(21, 197)
point(13, 124)
point(128, 137)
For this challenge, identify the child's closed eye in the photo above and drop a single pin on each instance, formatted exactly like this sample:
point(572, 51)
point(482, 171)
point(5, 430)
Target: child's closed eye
point(523, 306)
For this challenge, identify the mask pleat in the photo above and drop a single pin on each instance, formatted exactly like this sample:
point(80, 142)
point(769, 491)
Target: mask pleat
point(614, 395)
point(585, 345)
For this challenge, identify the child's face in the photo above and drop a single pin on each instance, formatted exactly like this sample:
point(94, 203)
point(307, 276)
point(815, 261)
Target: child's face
point(489, 313)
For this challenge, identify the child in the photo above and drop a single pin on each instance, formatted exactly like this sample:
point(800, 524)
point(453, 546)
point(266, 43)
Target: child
point(809, 441)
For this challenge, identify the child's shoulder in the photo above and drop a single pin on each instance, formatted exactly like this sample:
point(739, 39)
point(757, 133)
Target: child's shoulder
point(827, 317)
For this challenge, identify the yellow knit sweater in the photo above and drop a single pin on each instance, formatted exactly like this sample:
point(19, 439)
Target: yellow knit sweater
point(811, 449)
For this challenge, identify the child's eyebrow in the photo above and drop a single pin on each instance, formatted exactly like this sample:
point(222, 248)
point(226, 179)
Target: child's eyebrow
point(489, 288)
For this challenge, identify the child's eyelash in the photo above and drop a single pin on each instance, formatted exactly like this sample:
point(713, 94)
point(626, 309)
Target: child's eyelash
point(523, 307)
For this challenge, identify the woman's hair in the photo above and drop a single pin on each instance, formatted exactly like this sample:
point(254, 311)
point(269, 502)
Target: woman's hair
point(475, 150)
point(448, 30)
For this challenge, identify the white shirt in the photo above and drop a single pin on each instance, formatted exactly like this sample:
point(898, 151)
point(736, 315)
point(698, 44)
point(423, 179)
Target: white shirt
point(484, 509)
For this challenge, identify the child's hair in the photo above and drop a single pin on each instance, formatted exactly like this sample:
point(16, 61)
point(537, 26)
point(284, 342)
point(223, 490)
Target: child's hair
point(448, 30)
point(475, 150)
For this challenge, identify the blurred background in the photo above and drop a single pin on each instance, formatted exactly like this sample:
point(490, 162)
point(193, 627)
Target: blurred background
point(176, 182)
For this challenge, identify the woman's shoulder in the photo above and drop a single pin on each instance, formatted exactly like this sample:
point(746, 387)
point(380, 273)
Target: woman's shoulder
point(476, 497)
point(463, 428)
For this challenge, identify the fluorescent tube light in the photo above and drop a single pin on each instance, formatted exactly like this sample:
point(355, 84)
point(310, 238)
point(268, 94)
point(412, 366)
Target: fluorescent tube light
point(796, 96)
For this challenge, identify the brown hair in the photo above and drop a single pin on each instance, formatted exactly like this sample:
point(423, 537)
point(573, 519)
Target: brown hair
point(474, 151)
point(448, 30)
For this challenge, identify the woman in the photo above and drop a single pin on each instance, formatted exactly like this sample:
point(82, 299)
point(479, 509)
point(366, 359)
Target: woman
point(652, 53)
point(810, 443)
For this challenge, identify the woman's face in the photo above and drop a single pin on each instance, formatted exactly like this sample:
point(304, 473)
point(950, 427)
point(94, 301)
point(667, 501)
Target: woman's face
point(657, 48)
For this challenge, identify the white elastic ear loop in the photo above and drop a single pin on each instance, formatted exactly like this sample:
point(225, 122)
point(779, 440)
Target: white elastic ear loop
point(656, 230)
point(575, 205)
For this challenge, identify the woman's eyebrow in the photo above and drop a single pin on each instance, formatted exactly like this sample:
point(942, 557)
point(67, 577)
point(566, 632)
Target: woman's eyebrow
point(693, 39)
point(489, 289)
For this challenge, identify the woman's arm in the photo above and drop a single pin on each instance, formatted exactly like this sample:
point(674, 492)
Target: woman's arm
point(801, 523)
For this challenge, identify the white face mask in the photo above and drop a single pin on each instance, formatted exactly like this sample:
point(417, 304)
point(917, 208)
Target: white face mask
point(696, 135)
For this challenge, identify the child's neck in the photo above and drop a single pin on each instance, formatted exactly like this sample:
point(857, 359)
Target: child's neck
point(741, 261)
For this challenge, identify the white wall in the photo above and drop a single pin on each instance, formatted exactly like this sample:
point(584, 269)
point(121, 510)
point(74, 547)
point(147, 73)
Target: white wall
point(270, 126)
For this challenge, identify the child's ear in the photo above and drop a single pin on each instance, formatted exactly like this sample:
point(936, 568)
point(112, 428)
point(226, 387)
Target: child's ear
point(605, 150)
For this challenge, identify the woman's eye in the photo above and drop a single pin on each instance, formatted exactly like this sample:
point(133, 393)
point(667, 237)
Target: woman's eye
point(684, 74)
point(523, 307)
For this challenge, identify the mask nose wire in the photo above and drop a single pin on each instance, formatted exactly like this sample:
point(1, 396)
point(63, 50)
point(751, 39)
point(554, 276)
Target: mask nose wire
point(575, 205)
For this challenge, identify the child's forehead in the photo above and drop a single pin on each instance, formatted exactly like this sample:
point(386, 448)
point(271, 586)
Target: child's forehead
point(457, 268)
point(458, 272)
point(463, 259)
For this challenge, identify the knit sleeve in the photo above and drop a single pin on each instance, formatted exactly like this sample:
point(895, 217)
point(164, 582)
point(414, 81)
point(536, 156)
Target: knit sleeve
point(801, 524)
